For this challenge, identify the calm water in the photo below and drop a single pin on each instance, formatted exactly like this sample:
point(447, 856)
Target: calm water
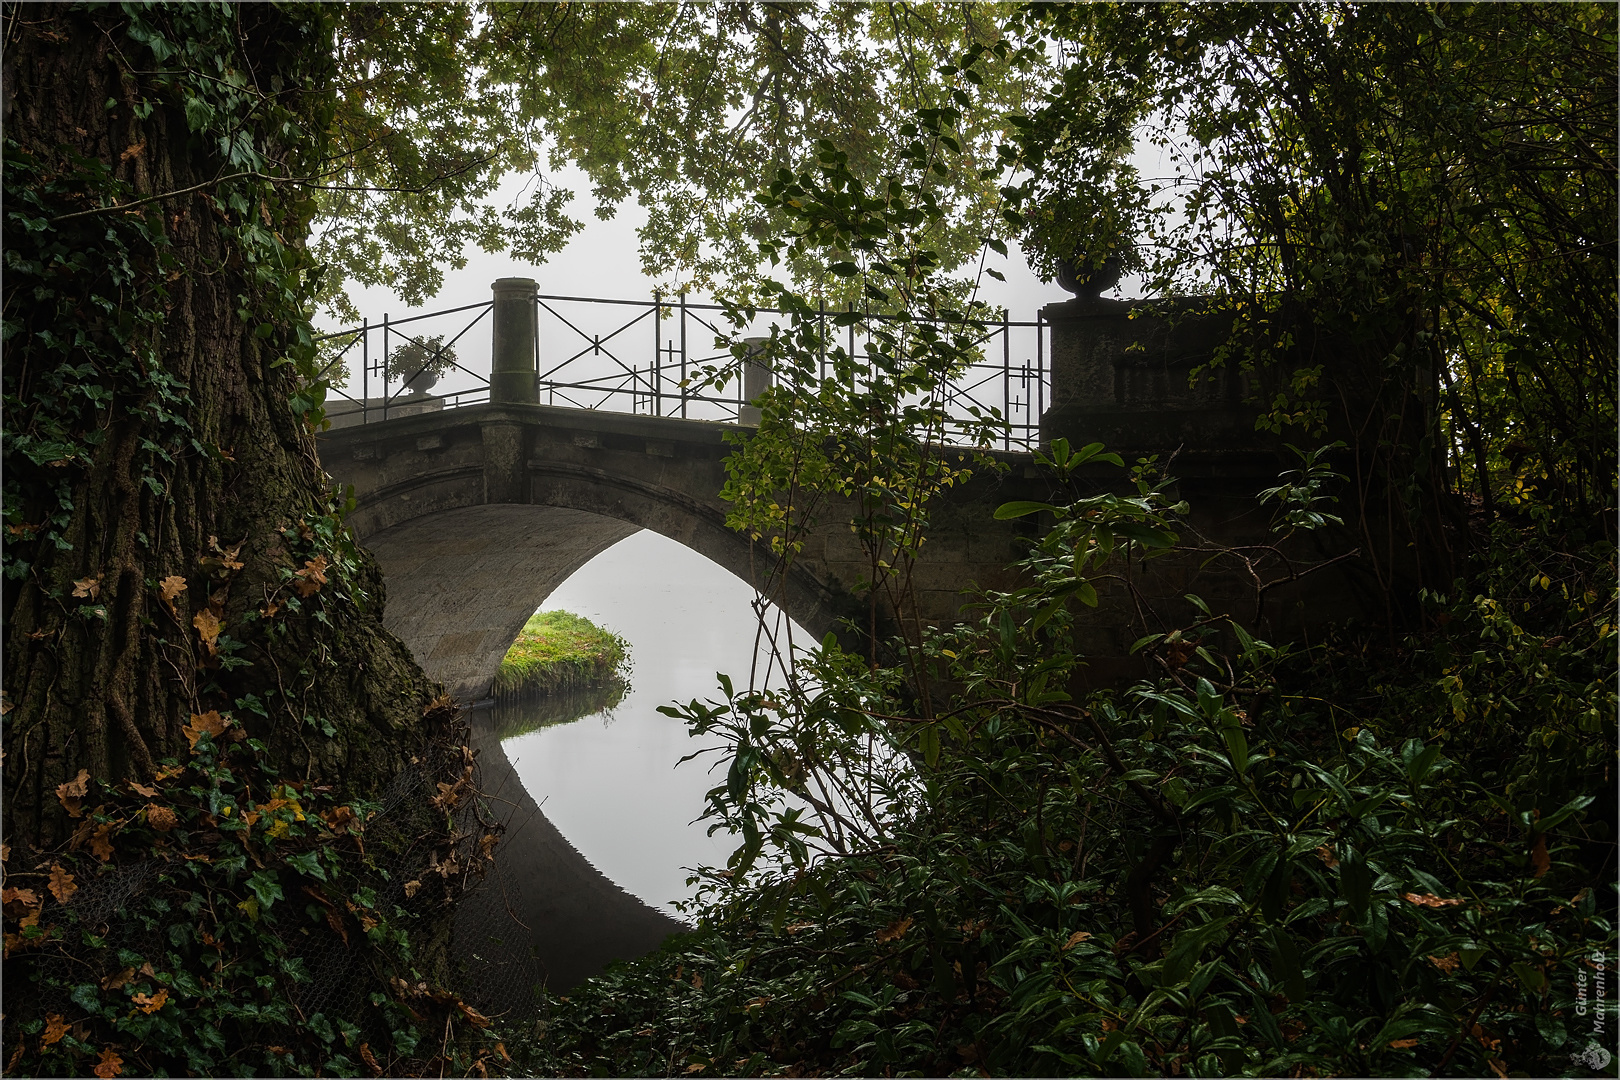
point(609, 781)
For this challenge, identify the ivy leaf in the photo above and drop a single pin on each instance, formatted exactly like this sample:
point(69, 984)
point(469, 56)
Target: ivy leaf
point(265, 888)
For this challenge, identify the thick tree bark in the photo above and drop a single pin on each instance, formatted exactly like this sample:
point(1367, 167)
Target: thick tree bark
point(180, 453)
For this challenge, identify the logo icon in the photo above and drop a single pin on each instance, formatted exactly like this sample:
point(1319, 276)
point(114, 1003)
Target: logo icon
point(1594, 1057)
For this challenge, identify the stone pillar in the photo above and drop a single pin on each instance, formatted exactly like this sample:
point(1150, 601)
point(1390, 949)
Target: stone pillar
point(756, 380)
point(1121, 375)
point(505, 463)
point(513, 355)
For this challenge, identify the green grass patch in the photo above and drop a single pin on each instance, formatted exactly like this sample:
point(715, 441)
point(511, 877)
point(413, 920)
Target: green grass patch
point(560, 652)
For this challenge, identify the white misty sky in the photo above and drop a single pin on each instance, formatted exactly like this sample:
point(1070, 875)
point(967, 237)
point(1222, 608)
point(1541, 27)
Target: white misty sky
point(602, 261)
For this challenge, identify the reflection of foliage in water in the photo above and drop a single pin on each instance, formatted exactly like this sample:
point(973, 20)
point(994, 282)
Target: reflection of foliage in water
point(521, 715)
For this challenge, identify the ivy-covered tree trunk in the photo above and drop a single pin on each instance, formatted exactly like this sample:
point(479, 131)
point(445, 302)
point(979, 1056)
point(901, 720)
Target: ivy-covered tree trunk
point(194, 652)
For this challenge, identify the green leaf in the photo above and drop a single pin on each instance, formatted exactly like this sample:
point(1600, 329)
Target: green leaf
point(1021, 508)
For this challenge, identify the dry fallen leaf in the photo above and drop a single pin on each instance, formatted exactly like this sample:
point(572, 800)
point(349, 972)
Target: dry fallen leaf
point(88, 587)
point(62, 886)
point(411, 888)
point(208, 723)
point(101, 842)
point(133, 150)
point(161, 818)
point(311, 577)
point(208, 627)
point(55, 1028)
point(371, 1062)
point(111, 1064)
point(1325, 853)
point(73, 792)
point(113, 982)
point(1428, 900)
point(1447, 964)
point(151, 1004)
point(1076, 938)
point(171, 587)
point(16, 899)
point(895, 930)
point(1540, 862)
point(474, 1017)
point(142, 789)
point(1403, 1044)
point(697, 981)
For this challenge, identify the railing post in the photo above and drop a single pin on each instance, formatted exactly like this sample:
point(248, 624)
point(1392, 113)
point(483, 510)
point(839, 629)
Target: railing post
point(658, 338)
point(365, 369)
point(384, 366)
point(514, 349)
point(756, 379)
point(684, 387)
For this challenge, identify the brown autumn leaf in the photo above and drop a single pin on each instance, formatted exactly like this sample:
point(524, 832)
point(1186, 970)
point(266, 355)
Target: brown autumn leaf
point(1540, 861)
point(223, 561)
point(113, 982)
point(412, 887)
point(441, 703)
point(895, 930)
point(55, 1028)
point(486, 845)
point(87, 587)
point(169, 772)
point(5, 852)
point(208, 723)
point(341, 819)
point(151, 1004)
point(62, 886)
point(111, 1064)
point(311, 577)
point(1325, 853)
point(697, 981)
point(1428, 900)
point(371, 1062)
point(171, 587)
point(208, 627)
point(474, 1017)
point(142, 789)
point(1447, 964)
point(270, 609)
point(1076, 938)
point(161, 818)
point(101, 842)
point(133, 150)
point(16, 900)
point(1403, 1044)
point(72, 793)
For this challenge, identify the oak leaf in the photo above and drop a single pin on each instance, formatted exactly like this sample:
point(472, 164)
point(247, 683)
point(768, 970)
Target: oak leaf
point(208, 627)
point(311, 577)
point(208, 723)
point(87, 587)
point(171, 587)
point(151, 1004)
point(113, 982)
point(411, 888)
point(111, 1064)
point(101, 842)
point(55, 1028)
point(62, 886)
point(72, 793)
point(142, 789)
point(24, 899)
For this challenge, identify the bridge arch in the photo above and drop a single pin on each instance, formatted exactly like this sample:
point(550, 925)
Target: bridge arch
point(476, 515)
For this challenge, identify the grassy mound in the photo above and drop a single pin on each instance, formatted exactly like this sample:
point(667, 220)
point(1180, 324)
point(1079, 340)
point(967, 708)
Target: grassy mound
point(559, 652)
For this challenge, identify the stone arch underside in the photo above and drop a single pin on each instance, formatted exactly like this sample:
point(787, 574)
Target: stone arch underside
point(461, 582)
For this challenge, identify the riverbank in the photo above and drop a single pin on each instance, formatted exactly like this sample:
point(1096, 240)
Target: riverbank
point(559, 652)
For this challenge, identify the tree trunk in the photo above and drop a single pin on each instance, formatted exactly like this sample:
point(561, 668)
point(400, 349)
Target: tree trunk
point(174, 559)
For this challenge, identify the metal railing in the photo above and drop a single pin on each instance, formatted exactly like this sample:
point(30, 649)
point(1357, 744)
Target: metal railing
point(645, 357)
